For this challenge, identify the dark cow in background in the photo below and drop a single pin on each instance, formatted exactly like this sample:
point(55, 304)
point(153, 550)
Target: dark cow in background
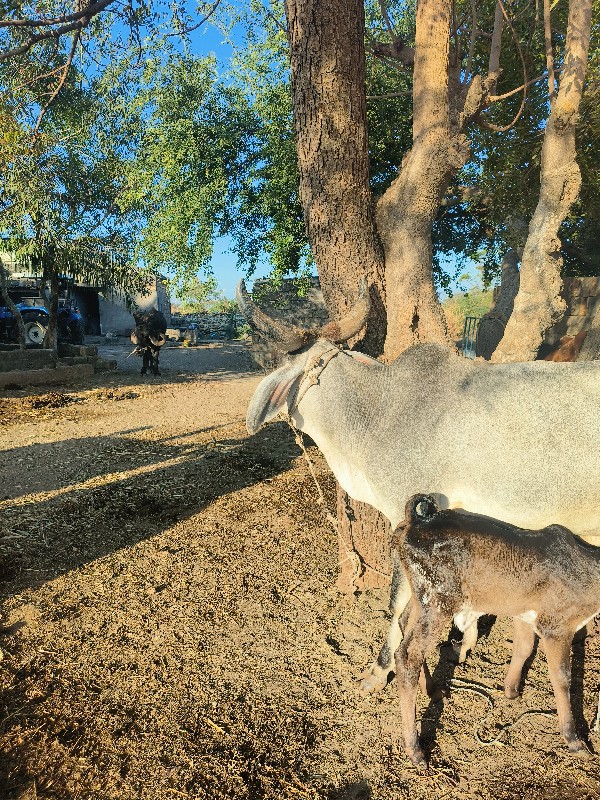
point(149, 337)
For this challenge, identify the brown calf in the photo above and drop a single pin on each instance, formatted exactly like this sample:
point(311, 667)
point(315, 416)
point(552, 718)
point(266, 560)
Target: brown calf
point(461, 566)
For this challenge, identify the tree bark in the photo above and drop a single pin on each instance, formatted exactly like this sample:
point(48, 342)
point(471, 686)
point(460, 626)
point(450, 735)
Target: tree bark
point(15, 311)
point(539, 303)
point(328, 85)
point(492, 325)
point(406, 211)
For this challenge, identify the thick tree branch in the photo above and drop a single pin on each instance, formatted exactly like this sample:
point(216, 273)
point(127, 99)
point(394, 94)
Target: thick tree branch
point(386, 18)
point(474, 32)
point(503, 128)
point(55, 33)
point(397, 50)
point(81, 14)
point(549, 56)
point(496, 43)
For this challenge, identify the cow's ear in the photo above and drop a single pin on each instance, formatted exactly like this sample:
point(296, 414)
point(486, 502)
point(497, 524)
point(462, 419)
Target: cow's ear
point(271, 395)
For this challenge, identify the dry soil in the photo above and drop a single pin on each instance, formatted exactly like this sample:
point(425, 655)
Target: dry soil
point(170, 627)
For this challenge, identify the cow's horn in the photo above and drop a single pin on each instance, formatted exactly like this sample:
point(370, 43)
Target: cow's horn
point(353, 321)
point(158, 340)
point(285, 339)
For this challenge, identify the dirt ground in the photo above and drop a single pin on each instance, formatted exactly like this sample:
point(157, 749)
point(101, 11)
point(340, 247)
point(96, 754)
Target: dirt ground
point(170, 627)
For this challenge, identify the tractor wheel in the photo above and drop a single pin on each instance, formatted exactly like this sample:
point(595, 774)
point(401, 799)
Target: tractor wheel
point(34, 333)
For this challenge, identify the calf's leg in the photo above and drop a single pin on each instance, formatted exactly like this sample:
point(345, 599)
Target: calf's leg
point(557, 646)
point(375, 676)
point(424, 628)
point(523, 642)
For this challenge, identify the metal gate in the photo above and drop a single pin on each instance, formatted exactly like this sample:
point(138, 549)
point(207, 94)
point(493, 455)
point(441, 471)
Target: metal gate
point(469, 339)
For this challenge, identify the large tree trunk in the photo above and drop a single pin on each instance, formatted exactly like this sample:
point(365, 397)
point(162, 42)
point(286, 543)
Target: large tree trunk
point(539, 303)
point(328, 79)
point(406, 211)
point(328, 83)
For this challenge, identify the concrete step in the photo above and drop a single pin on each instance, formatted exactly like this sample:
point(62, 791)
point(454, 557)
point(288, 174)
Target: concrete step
point(42, 377)
point(26, 359)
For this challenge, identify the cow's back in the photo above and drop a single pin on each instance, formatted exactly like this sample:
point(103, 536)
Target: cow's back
point(519, 442)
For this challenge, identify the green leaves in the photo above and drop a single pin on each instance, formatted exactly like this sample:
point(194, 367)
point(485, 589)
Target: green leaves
point(190, 139)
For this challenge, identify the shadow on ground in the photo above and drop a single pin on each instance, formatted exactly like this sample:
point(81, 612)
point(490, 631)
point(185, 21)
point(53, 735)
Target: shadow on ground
point(123, 489)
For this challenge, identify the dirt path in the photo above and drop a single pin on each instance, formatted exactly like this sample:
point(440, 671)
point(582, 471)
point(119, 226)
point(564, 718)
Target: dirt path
point(170, 630)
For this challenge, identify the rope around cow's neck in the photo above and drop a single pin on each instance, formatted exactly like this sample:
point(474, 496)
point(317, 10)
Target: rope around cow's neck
point(310, 377)
point(358, 564)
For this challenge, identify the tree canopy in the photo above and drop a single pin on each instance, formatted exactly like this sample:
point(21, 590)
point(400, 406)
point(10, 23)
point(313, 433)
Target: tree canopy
point(173, 153)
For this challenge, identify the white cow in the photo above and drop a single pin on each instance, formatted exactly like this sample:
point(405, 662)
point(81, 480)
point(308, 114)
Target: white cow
point(519, 442)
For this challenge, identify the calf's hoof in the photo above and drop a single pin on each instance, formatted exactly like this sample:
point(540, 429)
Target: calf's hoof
point(579, 748)
point(373, 679)
point(417, 756)
point(512, 692)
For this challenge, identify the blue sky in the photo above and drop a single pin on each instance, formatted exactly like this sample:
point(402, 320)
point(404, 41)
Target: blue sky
point(223, 264)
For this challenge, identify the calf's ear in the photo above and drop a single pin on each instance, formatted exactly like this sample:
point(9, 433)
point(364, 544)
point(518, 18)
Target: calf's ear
point(271, 395)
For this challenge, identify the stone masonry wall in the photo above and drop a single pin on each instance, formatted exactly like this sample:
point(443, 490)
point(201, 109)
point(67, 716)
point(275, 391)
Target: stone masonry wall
point(583, 308)
point(284, 304)
point(211, 324)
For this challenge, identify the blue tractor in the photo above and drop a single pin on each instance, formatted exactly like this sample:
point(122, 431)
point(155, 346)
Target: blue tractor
point(35, 318)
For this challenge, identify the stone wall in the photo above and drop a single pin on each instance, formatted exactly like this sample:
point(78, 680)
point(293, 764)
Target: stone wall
point(583, 308)
point(40, 367)
point(284, 304)
point(210, 325)
point(583, 314)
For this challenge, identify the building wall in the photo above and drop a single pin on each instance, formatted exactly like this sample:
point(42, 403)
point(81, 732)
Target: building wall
point(115, 316)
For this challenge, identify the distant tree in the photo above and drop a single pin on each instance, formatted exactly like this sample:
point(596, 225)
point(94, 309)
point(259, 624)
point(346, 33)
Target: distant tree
point(197, 295)
point(189, 136)
point(472, 303)
point(59, 196)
